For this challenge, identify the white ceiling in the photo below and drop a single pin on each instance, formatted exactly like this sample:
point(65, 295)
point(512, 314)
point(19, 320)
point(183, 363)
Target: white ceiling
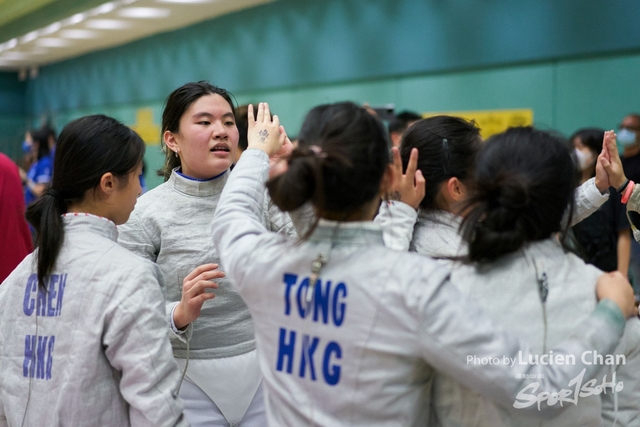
point(110, 24)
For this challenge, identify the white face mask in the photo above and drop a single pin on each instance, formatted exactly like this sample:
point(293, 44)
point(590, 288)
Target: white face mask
point(626, 137)
point(585, 158)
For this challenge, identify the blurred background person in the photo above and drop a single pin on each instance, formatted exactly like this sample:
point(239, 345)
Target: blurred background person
point(604, 238)
point(50, 132)
point(400, 124)
point(40, 172)
point(28, 157)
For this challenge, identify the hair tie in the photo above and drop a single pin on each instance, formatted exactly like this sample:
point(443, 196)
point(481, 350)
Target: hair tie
point(317, 150)
point(53, 193)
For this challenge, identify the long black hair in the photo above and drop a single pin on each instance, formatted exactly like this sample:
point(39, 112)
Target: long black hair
point(522, 186)
point(88, 148)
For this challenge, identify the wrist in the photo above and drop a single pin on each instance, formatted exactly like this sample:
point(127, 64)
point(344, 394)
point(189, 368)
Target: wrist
point(621, 184)
point(602, 186)
point(262, 148)
point(179, 318)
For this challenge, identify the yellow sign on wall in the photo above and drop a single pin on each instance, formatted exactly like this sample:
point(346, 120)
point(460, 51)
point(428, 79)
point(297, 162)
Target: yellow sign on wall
point(145, 127)
point(492, 122)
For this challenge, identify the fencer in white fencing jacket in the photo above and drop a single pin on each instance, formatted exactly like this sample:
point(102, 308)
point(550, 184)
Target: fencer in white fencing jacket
point(361, 346)
point(171, 226)
point(508, 292)
point(93, 349)
point(542, 294)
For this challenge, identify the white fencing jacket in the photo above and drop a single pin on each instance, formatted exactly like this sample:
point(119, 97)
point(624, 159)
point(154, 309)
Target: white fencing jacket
point(362, 351)
point(171, 226)
point(507, 290)
point(93, 348)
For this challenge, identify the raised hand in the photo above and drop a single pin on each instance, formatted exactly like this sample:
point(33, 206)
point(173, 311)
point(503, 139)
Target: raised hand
point(264, 132)
point(611, 162)
point(409, 188)
point(602, 177)
point(194, 294)
point(278, 162)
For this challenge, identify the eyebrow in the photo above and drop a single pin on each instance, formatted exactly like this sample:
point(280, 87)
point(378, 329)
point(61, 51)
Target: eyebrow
point(208, 115)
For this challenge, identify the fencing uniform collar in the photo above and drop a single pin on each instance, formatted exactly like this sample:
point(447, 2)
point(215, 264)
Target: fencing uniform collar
point(363, 233)
point(86, 222)
point(196, 188)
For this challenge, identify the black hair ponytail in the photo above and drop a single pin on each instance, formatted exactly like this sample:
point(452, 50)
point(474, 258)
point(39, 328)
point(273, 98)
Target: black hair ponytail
point(88, 148)
point(339, 164)
point(301, 183)
point(45, 215)
point(523, 185)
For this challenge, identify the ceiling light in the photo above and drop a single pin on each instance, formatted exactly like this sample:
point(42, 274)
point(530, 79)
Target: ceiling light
point(185, 1)
point(144, 12)
point(102, 9)
point(107, 24)
point(52, 42)
point(29, 37)
point(75, 19)
point(8, 45)
point(50, 29)
point(78, 34)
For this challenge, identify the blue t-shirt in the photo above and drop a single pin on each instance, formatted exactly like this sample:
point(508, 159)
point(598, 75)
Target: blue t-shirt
point(40, 173)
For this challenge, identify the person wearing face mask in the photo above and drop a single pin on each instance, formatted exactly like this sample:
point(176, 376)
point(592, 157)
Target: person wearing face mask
point(603, 239)
point(628, 139)
point(629, 144)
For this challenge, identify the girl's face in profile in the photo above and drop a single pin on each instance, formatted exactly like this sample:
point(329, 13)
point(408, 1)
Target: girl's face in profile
point(125, 195)
point(208, 137)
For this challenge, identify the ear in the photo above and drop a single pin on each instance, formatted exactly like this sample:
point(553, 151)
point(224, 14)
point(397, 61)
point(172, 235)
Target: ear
point(170, 141)
point(455, 191)
point(389, 179)
point(107, 184)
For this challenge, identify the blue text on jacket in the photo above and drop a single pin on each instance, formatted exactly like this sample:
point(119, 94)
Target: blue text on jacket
point(328, 302)
point(328, 307)
point(49, 302)
point(38, 356)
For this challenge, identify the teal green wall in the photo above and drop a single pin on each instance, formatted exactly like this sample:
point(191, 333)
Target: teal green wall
point(596, 92)
point(13, 114)
point(571, 62)
point(564, 95)
point(297, 43)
